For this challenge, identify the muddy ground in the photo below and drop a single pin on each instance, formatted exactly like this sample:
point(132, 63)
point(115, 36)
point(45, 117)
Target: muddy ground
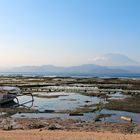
point(67, 125)
point(40, 81)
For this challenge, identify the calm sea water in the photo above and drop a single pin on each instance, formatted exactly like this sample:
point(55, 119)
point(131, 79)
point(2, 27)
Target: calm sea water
point(132, 75)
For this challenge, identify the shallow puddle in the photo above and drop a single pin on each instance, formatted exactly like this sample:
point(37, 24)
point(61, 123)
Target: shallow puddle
point(51, 104)
point(115, 116)
point(71, 101)
point(64, 101)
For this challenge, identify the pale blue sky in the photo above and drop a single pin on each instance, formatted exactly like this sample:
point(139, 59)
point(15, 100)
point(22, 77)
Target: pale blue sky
point(67, 32)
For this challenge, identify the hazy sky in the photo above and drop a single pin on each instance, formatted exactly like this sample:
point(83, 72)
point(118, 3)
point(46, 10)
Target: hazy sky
point(67, 32)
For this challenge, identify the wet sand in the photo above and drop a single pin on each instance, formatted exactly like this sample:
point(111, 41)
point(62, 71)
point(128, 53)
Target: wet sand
point(64, 135)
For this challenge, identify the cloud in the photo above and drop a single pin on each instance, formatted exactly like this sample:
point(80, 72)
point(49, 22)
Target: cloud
point(100, 58)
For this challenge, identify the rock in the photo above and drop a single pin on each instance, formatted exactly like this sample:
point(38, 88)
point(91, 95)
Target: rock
point(35, 126)
point(7, 127)
point(6, 124)
point(54, 127)
point(76, 114)
point(17, 126)
point(87, 101)
point(136, 129)
point(97, 120)
point(78, 124)
point(23, 116)
point(10, 124)
point(49, 111)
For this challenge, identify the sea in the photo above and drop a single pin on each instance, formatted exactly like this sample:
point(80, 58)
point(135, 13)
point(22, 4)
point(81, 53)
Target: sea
point(79, 75)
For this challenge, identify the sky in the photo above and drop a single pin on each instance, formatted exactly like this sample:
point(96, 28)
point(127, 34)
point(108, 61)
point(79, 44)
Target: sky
point(67, 32)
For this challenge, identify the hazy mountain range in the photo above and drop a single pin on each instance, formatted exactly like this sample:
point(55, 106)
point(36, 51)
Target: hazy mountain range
point(119, 64)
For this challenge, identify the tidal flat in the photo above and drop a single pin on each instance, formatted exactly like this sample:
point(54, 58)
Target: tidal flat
point(72, 103)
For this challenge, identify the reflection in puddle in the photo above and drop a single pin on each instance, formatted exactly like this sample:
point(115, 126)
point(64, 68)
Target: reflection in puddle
point(68, 102)
point(117, 95)
point(49, 95)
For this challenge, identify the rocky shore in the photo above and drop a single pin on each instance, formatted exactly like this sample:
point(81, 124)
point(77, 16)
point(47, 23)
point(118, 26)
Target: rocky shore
point(10, 124)
point(50, 128)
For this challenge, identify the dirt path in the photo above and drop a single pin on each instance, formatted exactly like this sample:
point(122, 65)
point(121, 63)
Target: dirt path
point(64, 135)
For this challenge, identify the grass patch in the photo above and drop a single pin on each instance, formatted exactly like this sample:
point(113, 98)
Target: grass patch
point(82, 109)
point(131, 104)
point(18, 110)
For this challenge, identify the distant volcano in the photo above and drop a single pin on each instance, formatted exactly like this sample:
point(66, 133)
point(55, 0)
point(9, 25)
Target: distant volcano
point(114, 60)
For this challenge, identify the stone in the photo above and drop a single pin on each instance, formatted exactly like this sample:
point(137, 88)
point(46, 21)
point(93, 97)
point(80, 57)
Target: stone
point(54, 127)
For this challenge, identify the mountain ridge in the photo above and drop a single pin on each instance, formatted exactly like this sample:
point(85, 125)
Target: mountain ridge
point(85, 68)
point(110, 60)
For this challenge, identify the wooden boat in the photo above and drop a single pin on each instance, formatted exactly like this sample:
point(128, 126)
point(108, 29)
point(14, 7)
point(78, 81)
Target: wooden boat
point(6, 98)
point(8, 94)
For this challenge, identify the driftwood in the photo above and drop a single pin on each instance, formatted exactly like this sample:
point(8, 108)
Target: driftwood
point(126, 118)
